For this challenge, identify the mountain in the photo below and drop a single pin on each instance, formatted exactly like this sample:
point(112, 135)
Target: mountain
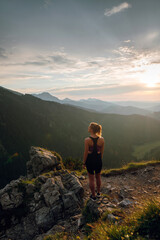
point(15, 92)
point(141, 104)
point(155, 108)
point(47, 97)
point(98, 105)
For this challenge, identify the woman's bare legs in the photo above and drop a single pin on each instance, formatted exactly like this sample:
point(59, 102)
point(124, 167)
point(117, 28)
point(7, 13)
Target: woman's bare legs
point(98, 182)
point(91, 184)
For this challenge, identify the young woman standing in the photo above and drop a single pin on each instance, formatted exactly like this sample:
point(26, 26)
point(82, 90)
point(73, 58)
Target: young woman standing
point(93, 154)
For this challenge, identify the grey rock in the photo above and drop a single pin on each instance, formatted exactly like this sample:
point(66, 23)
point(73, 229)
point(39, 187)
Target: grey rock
point(125, 203)
point(73, 184)
point(111, 217)
point(30, 188)
point(41, 160)
point(10, 197)
point(94, 208)
point(50, 191)
point(44, 219)
point(37, 206)
point(55, 229)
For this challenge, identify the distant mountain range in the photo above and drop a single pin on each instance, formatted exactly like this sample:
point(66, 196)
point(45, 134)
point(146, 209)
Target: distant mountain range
point(123, 108)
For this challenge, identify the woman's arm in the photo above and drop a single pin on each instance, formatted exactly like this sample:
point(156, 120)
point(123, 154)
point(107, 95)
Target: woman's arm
point(85, 151)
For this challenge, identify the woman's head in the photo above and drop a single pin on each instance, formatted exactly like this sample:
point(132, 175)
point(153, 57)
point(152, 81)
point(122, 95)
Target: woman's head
point(95, 128)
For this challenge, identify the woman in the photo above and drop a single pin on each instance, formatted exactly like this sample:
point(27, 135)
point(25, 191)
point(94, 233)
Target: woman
point(93, 154)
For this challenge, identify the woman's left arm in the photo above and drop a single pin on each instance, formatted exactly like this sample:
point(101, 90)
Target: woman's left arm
point(85, 151)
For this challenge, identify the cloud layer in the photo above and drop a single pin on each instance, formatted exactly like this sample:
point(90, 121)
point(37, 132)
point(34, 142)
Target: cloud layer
point(117, 9)
point(121, 75)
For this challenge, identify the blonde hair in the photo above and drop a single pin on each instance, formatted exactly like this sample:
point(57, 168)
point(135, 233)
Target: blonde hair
point(96, 128)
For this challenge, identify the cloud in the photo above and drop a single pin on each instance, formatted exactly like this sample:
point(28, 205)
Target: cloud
point(127, 41)
point(117, 9)
point(3, 53)
point(100, 90)
point(47, 3)
point(152, 35)
point(73, 76)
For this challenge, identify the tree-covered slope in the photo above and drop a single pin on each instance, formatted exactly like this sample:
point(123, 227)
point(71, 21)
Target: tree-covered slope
point(26, 120)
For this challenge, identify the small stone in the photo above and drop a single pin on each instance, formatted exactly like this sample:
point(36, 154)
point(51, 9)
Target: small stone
point(111, 205)
point(125, 203)
point(105, 200)
point(81, 177)
point(111, 217)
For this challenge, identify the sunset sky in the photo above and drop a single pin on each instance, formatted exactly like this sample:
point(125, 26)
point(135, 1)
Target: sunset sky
point(104, 49)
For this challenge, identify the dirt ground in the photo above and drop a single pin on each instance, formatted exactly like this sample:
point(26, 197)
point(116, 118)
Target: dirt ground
point(137, 186)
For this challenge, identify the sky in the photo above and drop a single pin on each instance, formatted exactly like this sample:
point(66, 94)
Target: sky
point(79, 49)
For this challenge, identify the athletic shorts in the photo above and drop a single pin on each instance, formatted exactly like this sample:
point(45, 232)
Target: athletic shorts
point(94, 163)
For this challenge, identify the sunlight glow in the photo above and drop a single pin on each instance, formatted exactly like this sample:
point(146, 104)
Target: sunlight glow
point(151, 75)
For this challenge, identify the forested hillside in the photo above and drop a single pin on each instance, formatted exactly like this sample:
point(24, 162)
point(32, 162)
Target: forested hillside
point(26, 120)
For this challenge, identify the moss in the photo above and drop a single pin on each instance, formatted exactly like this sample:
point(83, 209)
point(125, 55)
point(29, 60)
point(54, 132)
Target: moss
point(28, 181)
point(59, 158)
point(61, 236)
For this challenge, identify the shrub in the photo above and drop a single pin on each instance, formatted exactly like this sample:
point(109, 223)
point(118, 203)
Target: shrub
point(72, 163)
point(147, 222)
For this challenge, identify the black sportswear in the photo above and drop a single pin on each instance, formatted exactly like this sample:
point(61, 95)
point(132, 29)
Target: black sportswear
point(94, 159)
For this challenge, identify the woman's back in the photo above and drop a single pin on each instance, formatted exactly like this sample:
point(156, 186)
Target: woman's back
point(98, 141)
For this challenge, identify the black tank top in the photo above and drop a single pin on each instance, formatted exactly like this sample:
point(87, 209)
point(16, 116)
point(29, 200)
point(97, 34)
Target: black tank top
point(94, 145)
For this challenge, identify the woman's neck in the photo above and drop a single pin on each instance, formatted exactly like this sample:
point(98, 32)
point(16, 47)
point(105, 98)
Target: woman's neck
point(93, 135)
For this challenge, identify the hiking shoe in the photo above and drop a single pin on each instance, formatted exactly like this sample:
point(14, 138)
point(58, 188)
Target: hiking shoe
point(98, 195)
point(92, 198)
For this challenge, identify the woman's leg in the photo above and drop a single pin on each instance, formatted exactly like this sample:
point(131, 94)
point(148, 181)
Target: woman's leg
point(98, 182)
point(91, 183)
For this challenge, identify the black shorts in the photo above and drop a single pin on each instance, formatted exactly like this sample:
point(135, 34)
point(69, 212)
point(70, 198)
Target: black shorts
point(94, 163)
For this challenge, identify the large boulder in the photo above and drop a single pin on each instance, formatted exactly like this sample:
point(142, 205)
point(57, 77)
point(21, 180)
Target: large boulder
point(41, 160)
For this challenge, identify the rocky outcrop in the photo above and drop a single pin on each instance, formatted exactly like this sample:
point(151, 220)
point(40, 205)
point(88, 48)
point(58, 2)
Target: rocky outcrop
point(42, 160)
point(32, 205)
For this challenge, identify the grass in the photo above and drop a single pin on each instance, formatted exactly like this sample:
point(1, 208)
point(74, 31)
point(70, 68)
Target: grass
point(141, 150)
point(129, 167)
point(61, 236)
point(117, 171)
point(116, 212)
point(142, 224)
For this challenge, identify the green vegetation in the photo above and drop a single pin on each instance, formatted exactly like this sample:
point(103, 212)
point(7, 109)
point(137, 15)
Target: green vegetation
point(143, 224)
point(27, 121)
point(140, 152)
point(129, 167)
point(90, 217)
point(73, 163)
point(116, 211)
point(61, 236)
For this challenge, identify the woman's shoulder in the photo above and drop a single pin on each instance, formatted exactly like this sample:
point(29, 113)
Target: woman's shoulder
point(87, 139)
point(101, 139)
